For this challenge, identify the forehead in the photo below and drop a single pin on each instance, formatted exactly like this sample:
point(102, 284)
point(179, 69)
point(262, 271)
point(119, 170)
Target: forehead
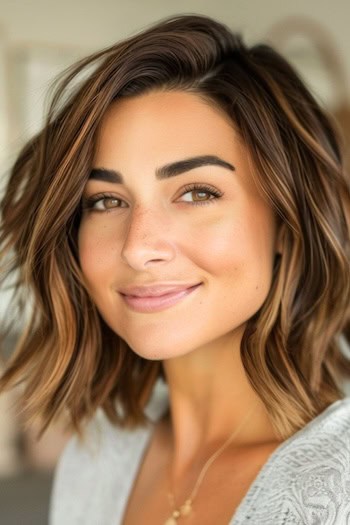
point(163, 125)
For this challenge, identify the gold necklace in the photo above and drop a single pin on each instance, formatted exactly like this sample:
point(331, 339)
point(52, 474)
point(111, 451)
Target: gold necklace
point(186, 508)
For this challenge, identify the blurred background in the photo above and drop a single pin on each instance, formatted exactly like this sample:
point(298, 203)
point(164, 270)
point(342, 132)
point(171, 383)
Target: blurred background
point(38, 39)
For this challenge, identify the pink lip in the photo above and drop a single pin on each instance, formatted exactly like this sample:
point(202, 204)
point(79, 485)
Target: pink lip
point(156, 289)
point(157, 303)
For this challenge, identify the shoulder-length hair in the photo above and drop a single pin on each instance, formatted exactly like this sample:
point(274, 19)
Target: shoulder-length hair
point(68, 360)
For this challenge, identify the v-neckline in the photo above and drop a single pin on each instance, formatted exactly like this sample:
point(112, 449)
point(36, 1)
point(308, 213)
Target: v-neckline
point(252, 492)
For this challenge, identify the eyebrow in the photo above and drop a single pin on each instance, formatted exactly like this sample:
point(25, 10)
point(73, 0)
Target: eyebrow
point(164, 172)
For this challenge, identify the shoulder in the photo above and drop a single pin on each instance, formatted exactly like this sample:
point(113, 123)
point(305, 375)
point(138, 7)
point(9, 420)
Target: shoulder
point(324, 438)
point(320, 452)
point(319, 467)
point(92, 474)
point(104, 441)
point(307, 478)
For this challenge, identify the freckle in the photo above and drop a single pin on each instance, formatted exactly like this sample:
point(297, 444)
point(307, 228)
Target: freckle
point(257, 287)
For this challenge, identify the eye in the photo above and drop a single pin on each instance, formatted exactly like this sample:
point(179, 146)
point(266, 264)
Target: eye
point(200, 194)
point(102, 202)
point(193, 194)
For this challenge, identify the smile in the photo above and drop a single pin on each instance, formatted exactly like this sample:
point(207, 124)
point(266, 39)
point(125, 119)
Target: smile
point(156, 304)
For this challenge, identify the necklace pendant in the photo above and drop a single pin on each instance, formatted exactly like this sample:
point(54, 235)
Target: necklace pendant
point(186, 508)
point(171, 521)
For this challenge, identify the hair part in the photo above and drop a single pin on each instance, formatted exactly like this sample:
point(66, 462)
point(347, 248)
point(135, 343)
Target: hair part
point(68, 360)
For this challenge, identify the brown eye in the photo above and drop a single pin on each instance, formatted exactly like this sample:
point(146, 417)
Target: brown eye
point(200, 194)
point(111, 203)
point(102, 203)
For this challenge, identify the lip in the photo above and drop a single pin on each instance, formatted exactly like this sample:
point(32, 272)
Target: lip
point(155, 298)
point(155, 290)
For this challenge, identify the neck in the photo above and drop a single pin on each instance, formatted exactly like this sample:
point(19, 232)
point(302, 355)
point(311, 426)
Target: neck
point(209, 396)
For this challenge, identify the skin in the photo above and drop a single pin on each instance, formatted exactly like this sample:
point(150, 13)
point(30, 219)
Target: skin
point(160, 234)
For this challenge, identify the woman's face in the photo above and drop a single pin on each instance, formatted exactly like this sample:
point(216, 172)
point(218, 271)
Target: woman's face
point(202, 229)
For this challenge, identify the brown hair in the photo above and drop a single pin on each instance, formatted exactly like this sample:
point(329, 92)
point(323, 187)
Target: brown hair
point(68, 359)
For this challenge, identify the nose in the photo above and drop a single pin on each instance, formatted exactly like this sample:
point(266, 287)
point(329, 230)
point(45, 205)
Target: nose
point(148, 240)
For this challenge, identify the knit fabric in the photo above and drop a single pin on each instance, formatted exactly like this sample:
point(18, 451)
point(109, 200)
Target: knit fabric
point(305, 481)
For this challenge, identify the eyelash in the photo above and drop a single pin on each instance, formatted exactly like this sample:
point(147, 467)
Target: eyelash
point(89, 202)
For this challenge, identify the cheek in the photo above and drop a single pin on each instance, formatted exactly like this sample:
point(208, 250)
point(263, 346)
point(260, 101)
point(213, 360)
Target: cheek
point(215, 249)
point(97, 252)
point(224, 245)
point(238, 249)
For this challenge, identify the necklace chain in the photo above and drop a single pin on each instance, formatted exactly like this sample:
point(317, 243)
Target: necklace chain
point(186, 508)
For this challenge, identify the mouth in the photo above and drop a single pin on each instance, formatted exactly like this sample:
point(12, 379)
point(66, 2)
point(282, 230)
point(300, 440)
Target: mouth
point(157, 303)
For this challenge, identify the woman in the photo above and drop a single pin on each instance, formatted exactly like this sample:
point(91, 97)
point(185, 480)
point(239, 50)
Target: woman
point(181, 223)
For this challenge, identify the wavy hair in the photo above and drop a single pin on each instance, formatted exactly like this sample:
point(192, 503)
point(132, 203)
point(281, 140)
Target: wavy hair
point(68, 360)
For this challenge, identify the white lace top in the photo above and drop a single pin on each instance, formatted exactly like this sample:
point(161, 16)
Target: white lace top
point(305, 481)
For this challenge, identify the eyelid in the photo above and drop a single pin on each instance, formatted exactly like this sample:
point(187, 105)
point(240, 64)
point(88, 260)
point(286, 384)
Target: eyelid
point(89, 202)
point(198, 186)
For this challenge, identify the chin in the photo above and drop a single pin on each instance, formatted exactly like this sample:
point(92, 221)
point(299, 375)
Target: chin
point(156, 354)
